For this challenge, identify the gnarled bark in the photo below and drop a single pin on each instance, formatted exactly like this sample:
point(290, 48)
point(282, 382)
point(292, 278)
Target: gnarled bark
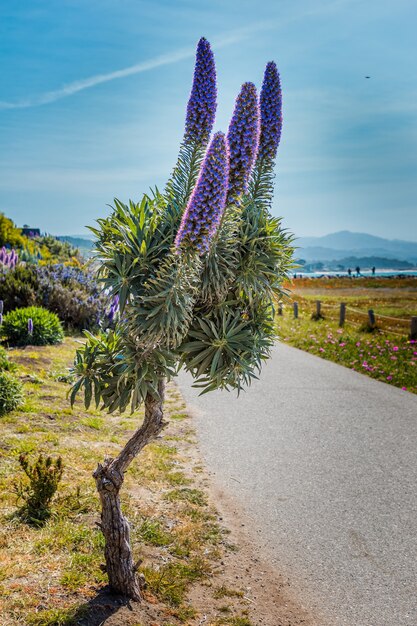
point(109, 476)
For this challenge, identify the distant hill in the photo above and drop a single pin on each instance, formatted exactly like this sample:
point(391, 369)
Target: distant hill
point(345, 244)
point(84, 245)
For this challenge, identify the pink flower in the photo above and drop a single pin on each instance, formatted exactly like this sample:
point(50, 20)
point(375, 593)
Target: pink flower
point(389, 377)
point(404, 388)
point(395, 348)
point(342, 344)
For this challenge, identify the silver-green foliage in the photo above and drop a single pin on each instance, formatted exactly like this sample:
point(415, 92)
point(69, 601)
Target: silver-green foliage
point(212, 315)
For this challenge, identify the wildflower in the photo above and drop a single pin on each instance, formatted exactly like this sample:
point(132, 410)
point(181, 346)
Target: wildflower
point(389, 377)
point(201, 108)
point(243, 139)
point(206, 205)
point(271, 113)
point(395, 348)
point(30, 326)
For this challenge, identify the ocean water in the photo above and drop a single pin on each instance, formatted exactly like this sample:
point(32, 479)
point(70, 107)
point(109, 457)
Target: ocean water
point(366, 274)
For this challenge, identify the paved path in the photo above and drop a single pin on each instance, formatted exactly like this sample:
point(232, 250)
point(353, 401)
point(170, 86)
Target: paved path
point(324, 462)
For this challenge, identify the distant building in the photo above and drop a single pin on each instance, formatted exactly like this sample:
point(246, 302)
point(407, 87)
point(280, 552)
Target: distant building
point(28, 231)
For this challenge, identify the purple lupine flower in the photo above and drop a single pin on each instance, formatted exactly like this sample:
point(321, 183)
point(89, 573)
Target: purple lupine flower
point(30, 326)
point(205, 207)
point(1, 319)
point(1, 306)
point(271, 113)
point(201, 108)
point(243, 139)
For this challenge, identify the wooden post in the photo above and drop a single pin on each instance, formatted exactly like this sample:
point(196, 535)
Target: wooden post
point(318, 309)
point(371, 317)
point(342, 314)
point(295, 310)
point(413, 328)
point(279, 308)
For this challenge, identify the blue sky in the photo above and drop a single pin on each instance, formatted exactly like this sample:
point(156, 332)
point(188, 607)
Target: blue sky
point(93, 94)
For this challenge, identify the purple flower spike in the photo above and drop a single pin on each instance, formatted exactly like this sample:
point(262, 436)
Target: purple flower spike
point(201, 108)
point(271, 113)
point(30, 326)
point(206, 205)
point(243, 140)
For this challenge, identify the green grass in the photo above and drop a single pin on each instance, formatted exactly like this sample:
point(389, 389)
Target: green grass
point(385, 354)
point(385, 357)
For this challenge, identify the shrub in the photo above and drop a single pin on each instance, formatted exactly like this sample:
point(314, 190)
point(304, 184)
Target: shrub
point(31, 326)
point(9, 234)
point(73, 294)
point(70, 292)
point(19, 287)
point(61, 251)
point(5, 364)
point(44, 476)
point(11, 395)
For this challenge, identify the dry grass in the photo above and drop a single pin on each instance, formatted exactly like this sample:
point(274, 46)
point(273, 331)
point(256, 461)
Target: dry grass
point(47, 575)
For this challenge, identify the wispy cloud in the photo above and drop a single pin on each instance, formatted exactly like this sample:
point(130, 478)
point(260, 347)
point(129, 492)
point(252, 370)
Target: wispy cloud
point(144, 66)
point(227, 39)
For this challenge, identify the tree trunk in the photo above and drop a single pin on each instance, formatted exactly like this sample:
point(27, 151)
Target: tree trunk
point(109, 476)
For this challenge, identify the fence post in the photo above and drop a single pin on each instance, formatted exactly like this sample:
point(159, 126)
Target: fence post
point(371, 317)
point(279, 308)
point(342, 314)
point(413, 328)
point(318, 309)
point(295, 310)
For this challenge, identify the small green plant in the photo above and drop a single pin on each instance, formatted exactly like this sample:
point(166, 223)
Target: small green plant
point(31, 326)
point(11, 395)
point(5, 364)
point(152, 532)
point(44, 476)
point(58, 617)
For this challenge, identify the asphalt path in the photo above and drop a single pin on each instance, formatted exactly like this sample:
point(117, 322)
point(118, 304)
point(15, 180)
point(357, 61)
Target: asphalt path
point(323, 461)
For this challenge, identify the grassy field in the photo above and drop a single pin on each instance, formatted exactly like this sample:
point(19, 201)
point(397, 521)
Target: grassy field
point(52, 576)
point(385, 354)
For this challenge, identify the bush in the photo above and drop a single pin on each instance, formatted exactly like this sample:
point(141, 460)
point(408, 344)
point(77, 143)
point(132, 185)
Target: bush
point(70, 292)
point(9, 234)
point(60, 251)
point(73, 294)
point(11, 395)
point(5, 364)
point(44, 476)
point(16, 329)
point(19, 287)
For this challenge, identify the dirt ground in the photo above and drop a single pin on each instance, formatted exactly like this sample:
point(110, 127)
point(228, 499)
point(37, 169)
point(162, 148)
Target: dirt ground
point(243, 589)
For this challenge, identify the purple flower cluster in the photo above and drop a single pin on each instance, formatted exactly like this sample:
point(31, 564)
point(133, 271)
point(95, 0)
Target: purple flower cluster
point(243, 139)
point(30, 326)
point(201, 108)
point(8, 258)
point(114, 308)
point(271, 113)
point(205, 208)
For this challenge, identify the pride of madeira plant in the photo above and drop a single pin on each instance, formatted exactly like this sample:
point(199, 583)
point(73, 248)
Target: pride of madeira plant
point(196, 270)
